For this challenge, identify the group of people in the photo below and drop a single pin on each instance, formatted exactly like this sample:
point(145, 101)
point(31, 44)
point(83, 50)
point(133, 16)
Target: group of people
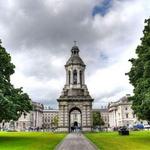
point(75, 129)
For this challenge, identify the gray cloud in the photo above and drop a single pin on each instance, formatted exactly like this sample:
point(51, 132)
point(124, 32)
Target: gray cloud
point(39, 36)
point(37, 25)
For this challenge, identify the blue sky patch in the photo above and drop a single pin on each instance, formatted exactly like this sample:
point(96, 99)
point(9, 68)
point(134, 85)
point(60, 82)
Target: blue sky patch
point(102, 8)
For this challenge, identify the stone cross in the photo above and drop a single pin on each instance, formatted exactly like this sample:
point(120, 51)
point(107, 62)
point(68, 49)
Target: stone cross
point(75, 43)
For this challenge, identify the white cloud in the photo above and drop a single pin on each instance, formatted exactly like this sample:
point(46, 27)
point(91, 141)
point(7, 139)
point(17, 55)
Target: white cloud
point(39, 37)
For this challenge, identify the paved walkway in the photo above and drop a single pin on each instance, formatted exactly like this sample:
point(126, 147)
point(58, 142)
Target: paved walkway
point(76, 141)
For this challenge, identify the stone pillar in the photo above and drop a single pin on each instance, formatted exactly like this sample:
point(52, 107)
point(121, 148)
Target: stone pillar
point(88, 114)
point(63, 118)
point(66, 116)
point(78, 76)
point(60, 115)
point(71, 76)
point(37, 117)
point(83, 79)
point(84, 116)
point(67, 77)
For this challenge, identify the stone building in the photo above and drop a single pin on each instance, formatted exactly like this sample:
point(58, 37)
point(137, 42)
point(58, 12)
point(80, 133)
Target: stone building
point(48, 118)
point(32, 120)
point(37, 115)
point(75, 95)
point(104, 115)
point(121, 113)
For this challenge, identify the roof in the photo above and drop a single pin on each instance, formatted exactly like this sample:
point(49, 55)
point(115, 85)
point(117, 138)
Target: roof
point(122, 101)
point(75, 58)
point(100, 110)
point(50, 110)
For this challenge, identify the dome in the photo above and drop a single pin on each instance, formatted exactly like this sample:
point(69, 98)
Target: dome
point(75, 58)
point(75, 49)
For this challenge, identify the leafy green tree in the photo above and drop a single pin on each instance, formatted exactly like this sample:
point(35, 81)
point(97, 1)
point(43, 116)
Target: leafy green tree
point(97, 119)
point(139, 76)
point(54, 121)
point(13, 102)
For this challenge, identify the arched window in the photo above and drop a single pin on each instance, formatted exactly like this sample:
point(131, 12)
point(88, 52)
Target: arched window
point(69, 75)
point(80, 77)
point(75, 77)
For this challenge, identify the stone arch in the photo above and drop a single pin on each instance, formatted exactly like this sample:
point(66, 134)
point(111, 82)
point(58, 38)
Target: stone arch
point(75, 122)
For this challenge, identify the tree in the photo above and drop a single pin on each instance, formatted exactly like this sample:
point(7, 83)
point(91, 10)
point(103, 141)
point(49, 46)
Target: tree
point(139, 76)
point(13, 102)
point(97, 119)
point(54, 121)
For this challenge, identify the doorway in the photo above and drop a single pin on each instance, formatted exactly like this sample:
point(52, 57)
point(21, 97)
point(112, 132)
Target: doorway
point(75, 120)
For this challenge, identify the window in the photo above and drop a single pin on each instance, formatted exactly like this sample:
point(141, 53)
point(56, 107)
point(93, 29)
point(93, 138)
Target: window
point(75, 77)
point(24, 125)
point(81, 77)
point(24, 116)
point(127, 123)
point(69, 76)
point(46, 119)
point(127, 115)
point(133, 115)
point(126, 108)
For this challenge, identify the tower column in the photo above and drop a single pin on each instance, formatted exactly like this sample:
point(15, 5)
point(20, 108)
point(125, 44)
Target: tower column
point(71, 76)
point(67, 77)
point(83, 78)
point(78, 76)
point(75, 96)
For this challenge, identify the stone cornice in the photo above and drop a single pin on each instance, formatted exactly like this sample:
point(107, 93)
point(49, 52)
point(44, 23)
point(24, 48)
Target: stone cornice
point(75, 99)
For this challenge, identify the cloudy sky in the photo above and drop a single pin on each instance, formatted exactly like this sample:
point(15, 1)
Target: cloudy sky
point(39, 35)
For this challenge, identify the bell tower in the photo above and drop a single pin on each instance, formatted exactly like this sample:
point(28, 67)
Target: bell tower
point(75, 96)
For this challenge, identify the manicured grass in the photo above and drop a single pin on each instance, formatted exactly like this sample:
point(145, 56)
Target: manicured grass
point(29, 140)
point(137, 140)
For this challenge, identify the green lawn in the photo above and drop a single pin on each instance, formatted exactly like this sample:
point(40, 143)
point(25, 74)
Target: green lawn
point(137, 140)
point(29, 140)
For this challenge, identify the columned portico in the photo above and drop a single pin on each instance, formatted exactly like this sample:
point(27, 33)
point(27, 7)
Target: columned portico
point(75, 95)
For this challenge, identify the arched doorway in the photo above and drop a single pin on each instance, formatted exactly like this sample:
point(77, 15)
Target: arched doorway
point(75, 119)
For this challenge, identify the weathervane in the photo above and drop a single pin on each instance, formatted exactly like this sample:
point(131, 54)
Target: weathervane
point(75, 43)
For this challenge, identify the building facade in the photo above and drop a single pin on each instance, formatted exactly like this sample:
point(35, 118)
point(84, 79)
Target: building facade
point(104, 115)
point(49, 117)
point(117, 114)
point(75, 96)
point(28, 121)
point(121, 113)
